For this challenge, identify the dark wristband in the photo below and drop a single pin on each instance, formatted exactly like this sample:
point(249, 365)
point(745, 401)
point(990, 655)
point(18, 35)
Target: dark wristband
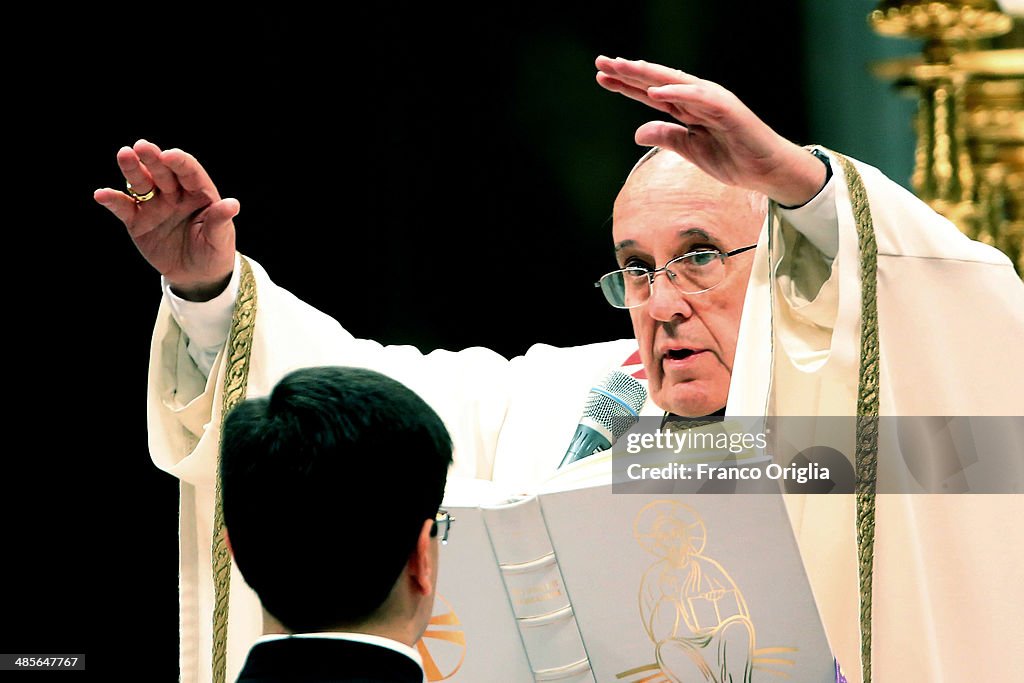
point(828, 176)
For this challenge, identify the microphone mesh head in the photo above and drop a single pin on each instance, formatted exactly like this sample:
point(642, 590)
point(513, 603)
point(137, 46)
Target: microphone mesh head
point(615, 403)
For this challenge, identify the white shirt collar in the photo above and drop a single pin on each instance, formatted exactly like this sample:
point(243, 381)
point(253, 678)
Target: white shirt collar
point(367, 638)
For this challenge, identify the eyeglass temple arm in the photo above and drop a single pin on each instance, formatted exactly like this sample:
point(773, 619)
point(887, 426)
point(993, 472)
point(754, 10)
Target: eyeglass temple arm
point(740, 250)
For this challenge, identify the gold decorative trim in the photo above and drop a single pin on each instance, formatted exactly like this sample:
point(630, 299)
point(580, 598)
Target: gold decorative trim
point(867, 403)
point(236, 379)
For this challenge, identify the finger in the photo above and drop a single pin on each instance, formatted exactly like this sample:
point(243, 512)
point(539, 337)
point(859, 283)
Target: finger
point(117, 202)
point(215, 224)
point(651, 73)
point(635, 83)
point(701, 94)
point(631, 82)
point(189, 173)
point(666, 135)
point(164, 178)
point(639, 71)
point(639, 94)
point(705, 104)
point(615, 85)
point(134, 171)
point(607, 66)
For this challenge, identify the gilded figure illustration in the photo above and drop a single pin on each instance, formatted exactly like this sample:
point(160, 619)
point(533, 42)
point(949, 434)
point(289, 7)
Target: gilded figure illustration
point(692, 610)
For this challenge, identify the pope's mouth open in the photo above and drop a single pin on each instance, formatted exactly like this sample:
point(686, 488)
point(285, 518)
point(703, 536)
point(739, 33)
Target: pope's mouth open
point(681, 357)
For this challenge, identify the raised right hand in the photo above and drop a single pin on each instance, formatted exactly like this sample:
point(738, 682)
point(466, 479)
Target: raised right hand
point(186, 230)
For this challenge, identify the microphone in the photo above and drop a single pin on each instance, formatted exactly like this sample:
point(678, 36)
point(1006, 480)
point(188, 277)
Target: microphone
point(612, 407)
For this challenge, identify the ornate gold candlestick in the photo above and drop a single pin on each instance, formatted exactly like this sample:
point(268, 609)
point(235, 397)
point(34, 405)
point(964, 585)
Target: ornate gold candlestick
point(969, 160)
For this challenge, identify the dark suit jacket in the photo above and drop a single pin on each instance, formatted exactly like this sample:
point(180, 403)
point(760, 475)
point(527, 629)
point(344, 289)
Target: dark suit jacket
point(323, 660)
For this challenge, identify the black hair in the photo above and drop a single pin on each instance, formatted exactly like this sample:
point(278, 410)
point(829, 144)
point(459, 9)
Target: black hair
point(326, 485)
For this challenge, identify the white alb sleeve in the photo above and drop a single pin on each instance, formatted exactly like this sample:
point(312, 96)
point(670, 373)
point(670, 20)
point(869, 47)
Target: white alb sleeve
point(817, 220)
point(206, 324)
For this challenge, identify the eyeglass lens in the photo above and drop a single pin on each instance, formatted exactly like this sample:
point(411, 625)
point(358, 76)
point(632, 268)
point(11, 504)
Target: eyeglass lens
point(691, 274)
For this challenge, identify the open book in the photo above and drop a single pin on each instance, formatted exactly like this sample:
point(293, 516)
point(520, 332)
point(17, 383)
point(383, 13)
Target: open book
point(578, 583)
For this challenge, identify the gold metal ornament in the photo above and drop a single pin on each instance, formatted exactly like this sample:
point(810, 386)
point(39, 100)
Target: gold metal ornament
point(969, 82)
point(139, 198)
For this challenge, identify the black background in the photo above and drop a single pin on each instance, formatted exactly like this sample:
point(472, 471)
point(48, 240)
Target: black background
point(429, 175)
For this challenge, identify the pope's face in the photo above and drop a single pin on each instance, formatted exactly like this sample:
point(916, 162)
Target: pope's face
point(687, 341)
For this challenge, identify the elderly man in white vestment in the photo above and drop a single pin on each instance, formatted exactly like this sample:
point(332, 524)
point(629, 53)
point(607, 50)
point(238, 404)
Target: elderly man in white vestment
point(779, 335)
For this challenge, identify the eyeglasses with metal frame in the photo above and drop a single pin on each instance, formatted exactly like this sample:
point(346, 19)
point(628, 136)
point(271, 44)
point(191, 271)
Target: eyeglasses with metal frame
point(694, 272)
point(442, 525)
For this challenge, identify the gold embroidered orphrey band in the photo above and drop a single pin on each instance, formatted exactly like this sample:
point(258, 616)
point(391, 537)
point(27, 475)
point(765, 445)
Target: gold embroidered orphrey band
point(236, 379)
point(867, 403)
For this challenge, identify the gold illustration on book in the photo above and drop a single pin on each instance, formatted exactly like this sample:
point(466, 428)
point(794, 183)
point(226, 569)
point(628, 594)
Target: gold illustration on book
point(447, 651)
point(692, 610)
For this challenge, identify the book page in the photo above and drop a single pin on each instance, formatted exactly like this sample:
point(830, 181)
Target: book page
point(672, 587)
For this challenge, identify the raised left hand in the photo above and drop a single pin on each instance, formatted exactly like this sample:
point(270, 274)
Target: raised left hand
point(715, 131)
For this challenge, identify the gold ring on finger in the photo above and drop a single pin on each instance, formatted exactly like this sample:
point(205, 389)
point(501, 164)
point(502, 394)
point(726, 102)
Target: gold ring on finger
point(141, 197)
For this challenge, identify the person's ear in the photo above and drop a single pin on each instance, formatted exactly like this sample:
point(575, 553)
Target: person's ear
point(423, 560)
